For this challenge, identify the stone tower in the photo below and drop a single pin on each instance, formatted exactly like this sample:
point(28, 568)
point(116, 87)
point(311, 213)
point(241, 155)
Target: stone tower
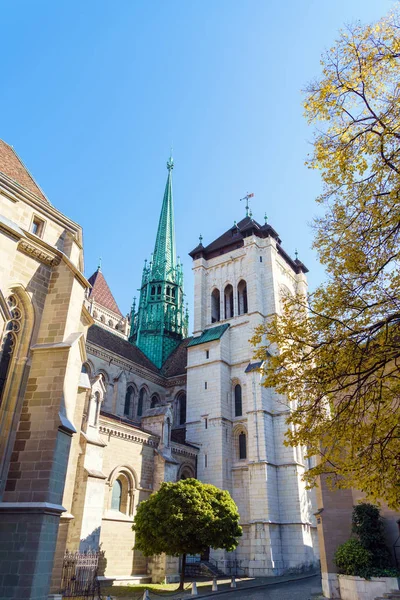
point(238, 424)
point(161, 321)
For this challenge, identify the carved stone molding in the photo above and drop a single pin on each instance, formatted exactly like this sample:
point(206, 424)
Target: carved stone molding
point(45, 257)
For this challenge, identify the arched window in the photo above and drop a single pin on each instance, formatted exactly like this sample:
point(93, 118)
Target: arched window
point(9, 341)
point(182, 409)
point(110, 323)
point(159, 290)
point(116, 495)
point(242, 446)
point(168, 291)
point(102, 319)
point(153, 290)
point(128, 401)
point(154, 401)
point(140, 403)
point(238, 400)
point(173, 293)
point(242, 297)
point(228, 301)
point(215, 306)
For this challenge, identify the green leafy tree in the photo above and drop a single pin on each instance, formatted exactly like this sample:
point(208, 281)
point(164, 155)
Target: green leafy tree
point(335, 354)
point(186, 517)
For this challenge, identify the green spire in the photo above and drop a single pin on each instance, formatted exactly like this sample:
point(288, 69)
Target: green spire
point(164, 257)
point(161, 321)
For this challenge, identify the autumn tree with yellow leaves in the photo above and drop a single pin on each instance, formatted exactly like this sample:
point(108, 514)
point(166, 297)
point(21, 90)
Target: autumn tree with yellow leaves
point(335, 355)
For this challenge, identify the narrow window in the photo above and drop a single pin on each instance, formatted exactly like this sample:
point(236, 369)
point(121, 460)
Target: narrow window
point(215, 306)
point(205, 460)
point(140, 403)
point(8, 345)
point(206, 423)
point(238, 401)
point(168, 291)
point(228, 301)
point(153, 290)
point(116, 495)
point(205, 385)
point(242, 446)
point(98, 403)
point(260, 258)
point(159, 290)
point(37, 226)
point(154, 401)
point(242, 297)
point(128, 401)
point(174, 294)
point(207, 354)
point(182, 410)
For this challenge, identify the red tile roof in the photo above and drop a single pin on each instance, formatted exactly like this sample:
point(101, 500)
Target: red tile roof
point(12, 166)
point(101, 293)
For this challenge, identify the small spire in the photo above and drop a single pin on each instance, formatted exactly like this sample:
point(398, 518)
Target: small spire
point(99, 265)
point(296, 254)
point(265, 218)
point(170, 162)
point(134, 305)
point(200, 240)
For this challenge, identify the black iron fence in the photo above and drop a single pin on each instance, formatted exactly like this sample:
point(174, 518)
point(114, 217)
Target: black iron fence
point(79, 575)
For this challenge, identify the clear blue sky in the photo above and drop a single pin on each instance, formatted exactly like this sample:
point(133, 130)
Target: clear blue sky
point(94, 92)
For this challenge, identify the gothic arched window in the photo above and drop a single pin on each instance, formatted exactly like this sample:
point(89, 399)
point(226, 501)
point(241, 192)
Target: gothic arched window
point(215, 306)
point(242, 297)
point(9, 341)
point(228, 301)
point(140, 402)
point(128, 401)
point(153, 290)
point(238, 400)
point(242, 446)
point(154, 401)
point(182, 409)
point(116, 495)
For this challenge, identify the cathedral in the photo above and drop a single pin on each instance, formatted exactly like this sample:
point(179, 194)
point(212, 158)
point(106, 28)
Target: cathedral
point(98, 408)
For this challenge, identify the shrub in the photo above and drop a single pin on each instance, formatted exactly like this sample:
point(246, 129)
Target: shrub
point(352, 558)
point(368, 526)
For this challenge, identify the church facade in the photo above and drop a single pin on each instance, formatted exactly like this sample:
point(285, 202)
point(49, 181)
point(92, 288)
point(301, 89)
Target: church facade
point(135, 401)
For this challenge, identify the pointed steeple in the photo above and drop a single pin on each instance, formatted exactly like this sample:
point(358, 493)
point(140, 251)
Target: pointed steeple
point(164, 256)
point(161, 321)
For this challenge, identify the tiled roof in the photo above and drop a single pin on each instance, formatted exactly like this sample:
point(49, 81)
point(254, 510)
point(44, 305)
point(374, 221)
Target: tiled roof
point(108, 340)
point(12, 166)
point(101, 293)
point(177, 360)
point(209, 335)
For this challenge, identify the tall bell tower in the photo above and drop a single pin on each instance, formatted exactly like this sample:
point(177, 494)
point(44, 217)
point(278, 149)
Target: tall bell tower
point(161, 321)
point(238, 424)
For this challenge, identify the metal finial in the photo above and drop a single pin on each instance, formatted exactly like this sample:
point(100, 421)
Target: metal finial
point(234, 224)
point(99, 265)
point(251, 214)
point(247, 198)
point(134, 304)
point(265, 218)
point(201, 240)
point(170, 163)
point(296, 254)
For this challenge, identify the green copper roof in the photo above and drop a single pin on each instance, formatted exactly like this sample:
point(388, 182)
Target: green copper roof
point(209, 335)
point(164, 256)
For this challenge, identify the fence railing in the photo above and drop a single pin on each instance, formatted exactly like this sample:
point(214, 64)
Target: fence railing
point(79, 575)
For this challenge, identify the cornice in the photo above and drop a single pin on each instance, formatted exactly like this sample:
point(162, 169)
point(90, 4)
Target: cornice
point(111, 430)
point(39, 253)
point(184, 450)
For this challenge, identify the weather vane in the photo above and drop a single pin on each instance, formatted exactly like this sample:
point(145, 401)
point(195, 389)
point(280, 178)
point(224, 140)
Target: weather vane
point(247, 198)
